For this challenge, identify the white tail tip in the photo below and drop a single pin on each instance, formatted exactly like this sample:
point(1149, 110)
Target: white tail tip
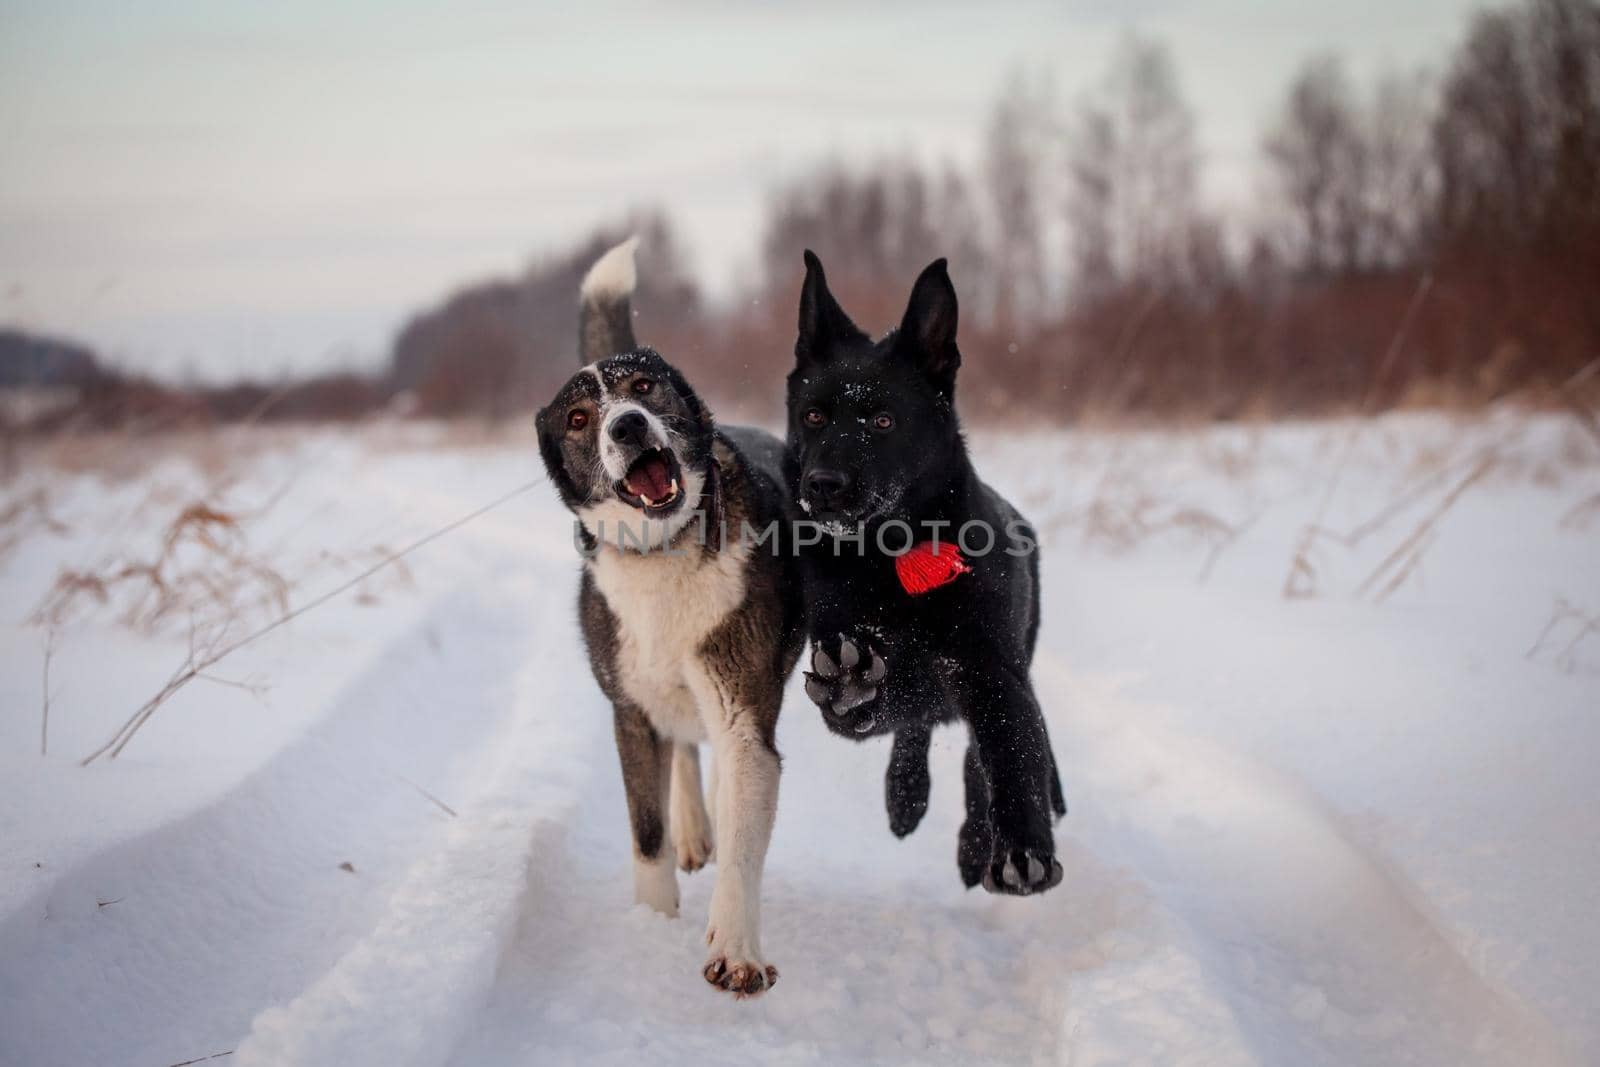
point(613, 274)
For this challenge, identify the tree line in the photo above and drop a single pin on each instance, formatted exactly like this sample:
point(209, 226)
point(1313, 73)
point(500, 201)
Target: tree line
point(1430, 238)
point(1425, 239)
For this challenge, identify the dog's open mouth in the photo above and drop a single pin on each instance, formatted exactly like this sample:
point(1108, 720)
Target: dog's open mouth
point(652, 483)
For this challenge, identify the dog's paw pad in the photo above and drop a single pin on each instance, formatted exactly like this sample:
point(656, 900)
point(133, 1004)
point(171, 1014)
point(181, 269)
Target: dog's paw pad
point(824, 665)
point(1022, 871)
point(742, 978)
point(849, 654)
point(845, 677)
point(820, 692)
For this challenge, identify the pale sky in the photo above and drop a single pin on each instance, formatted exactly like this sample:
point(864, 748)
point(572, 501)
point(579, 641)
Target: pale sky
point(217, 188)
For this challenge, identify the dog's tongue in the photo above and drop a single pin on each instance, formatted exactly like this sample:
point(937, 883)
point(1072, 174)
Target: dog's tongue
point(650, 477)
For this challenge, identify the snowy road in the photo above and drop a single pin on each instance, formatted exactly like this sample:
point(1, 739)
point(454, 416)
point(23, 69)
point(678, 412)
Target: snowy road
point(1318, 832)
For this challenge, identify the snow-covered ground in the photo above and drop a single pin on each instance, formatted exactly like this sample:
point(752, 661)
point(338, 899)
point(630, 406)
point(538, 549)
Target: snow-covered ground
point(1354, 826)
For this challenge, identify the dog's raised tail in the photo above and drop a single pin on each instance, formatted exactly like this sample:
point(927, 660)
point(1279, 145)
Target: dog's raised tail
point(605, 313)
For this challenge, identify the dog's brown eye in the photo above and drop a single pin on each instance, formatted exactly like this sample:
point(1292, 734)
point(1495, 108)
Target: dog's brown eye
point(883, 420)
point(815, 417)
point(577, 419)
point(643, 386)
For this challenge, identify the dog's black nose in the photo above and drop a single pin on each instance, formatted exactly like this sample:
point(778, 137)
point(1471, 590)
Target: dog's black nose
point(825, 487)
point(629, 428)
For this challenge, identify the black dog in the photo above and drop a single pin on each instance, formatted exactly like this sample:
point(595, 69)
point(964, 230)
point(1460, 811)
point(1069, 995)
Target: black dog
point(873, 438)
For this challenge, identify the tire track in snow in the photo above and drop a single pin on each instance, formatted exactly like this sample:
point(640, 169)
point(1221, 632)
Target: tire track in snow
point(237, 905)
point(404, 993)
point(884, 957)
point(1322, 951)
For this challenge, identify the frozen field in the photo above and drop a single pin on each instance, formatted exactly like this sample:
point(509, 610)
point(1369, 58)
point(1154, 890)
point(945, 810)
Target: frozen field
point(1354, 826)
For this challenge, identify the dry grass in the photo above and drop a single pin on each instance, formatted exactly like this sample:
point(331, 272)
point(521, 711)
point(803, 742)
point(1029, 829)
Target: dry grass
point(1123, 523)
point(203, 1059)
point(1120, 516)
point(202, 657)
point(1566, 630)
point(1301, 579)
point(44, 692)
point(1404, 560)
point(203, 566)
point(25, 516)
point(1582, 513)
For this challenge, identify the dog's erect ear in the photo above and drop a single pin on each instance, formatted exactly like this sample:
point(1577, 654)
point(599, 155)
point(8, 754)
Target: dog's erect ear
point(822, 320)
point(927, 334)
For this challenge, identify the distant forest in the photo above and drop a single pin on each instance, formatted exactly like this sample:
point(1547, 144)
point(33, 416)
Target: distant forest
point(1431, 239)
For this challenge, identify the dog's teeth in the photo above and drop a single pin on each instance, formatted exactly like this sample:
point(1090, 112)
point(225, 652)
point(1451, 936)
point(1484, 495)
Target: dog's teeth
point(674, 487)
point(644, 500)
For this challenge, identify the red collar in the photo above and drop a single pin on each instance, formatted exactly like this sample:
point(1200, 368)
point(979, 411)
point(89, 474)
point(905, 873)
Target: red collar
point(928, 565)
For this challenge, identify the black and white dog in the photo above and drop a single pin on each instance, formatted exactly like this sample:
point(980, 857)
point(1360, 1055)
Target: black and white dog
point(904, 640)
point(691, 632)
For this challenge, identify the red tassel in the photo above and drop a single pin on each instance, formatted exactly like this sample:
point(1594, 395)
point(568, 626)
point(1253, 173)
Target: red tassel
point(928, 566)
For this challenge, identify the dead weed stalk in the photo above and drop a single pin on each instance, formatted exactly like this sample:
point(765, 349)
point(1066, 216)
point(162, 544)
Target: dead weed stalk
point(1565, 618)
point(1301, 580)
point(203, 562)
point(1406, 557)
point(201, 660)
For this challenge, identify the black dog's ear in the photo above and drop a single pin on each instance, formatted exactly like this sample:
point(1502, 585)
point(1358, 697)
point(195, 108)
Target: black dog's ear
point(927, 334)
point(822, 320)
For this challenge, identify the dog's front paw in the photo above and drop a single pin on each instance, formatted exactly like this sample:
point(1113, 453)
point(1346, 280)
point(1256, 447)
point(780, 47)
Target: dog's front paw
point(692, 844)
point(843, 681)
point(733, 968)
point(1021, 870)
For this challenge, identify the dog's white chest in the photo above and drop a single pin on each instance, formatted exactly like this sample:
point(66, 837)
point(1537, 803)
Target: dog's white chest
point(665, 606)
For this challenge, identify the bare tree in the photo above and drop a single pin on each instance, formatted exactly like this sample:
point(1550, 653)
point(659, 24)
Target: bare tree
point(1133, 167)
point(1014, 144)
point(1355, 177)
point(1090, 201)
point(498, 346)
point(1401, 176)
point(961, 239)
point(1518, 130)
point(1320, 160)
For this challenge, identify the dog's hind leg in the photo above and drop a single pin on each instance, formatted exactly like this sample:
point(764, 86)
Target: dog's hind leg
point(646, 775)
point(691, 825)
point(976, 841)
point(907, 782)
